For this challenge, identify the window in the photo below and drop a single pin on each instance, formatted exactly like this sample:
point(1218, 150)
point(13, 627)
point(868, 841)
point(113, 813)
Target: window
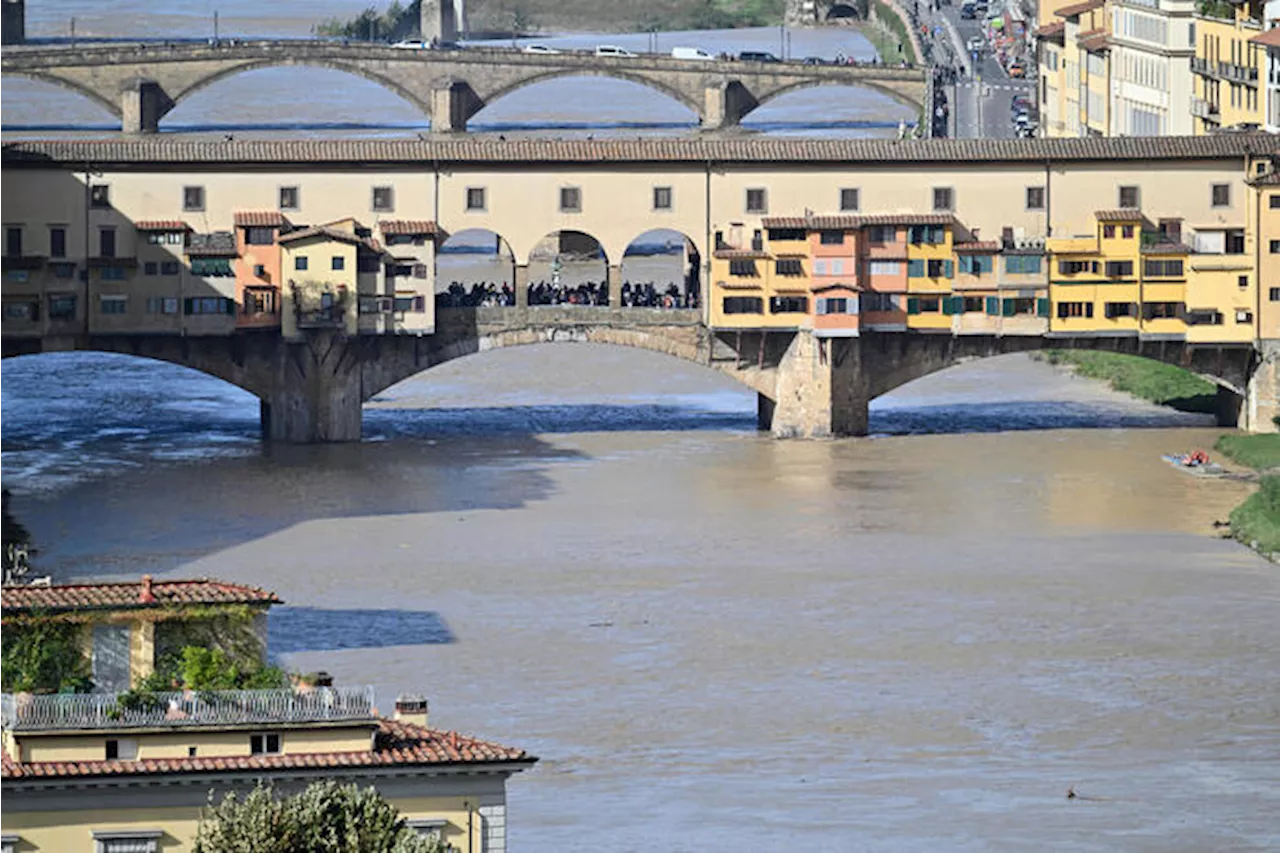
point(882, 234)
point(289, 198)
point(833, 305)
point(63, 270)
point(170, 268)
point(570, 200)
point(1220, 195)
point(1126, 231)
point(884, 267)
point(1235, 242)
point(209, 305)
point(926, 234)
point(165, 238)
point(1035, 198)
point(1163, 310)
point(786, 233)
point(106, 242)
point(1075, 267)
point(100, 195)
point(126, 841)
point(1109, 232)
point(21, 310)
point(925, 305)
point(259, 236)
point(788, 305)
point(300, 263)
point(1074, 309)
point(475, 198)
point(943, 199)
point(13, 242)
point(1274, 294)
point(122, 749)
point(62, 306)
point(1129, 197)
point(1244, 316)
point(162, 305)
point(193, 198)
point(1113, 310)
point(849, 199)
point(1242, 282)
point(337, 262)
point(57, 242)
point(111, 274)
point(1162, 269)
point(428, 828)
point(150, 268)
point(974, 304)
point(757, 201)
point(662, 198)
point(1119, 269)
point(258, 300)
point(938, 268)
point(383, 200)
point(977, 264)
point(743, 305)
point(113, 304)
point(743, 269)
point(1022, 264)
point(1020, 305)
point(1274, 201)
point(1275, 247)
point(789, 266)
point(216, 267)
point(831, 238)
point(873, 301)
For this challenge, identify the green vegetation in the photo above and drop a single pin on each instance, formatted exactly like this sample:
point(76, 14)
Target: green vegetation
point(888, 38)
point(1260, 452)
point(1221, 9)
point(324, 818)
point(396, 23)
point(44, 656)
point(1150, 380)
point(200, 668)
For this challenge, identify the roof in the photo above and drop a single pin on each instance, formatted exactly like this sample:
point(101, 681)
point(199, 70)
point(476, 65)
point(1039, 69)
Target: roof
point(846, 221)
point(132, 595)
point(260, 219)
point(741, 254)
point(1271, 38)
point(1167, 249)
point(1056, 30)
point(1124, 214)
point(396, 744)
point(216, 244)
point(331, 234)
point(162, 225)
point(1093, 40)
point(160, 151)
point(410, 227)
point(978, 246)
point(1270, 179)
point(1079, 8)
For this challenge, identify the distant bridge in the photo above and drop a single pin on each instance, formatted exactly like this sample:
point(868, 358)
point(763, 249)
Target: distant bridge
point(140, 83)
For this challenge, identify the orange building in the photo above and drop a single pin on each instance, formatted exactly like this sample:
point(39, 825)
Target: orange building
point(258, 274)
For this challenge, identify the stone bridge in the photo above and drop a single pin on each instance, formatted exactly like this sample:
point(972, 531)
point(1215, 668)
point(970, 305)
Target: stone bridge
point(312, 390)
point(142, 82)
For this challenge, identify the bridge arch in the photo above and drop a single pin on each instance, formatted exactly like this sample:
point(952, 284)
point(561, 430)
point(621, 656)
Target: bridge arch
point(113, 107)
point(472, 265)
point(490, 96)
point(879, 88)
point(654, 263)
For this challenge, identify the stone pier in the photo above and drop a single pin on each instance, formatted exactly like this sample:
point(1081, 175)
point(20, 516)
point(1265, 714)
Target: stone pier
point(822, 390)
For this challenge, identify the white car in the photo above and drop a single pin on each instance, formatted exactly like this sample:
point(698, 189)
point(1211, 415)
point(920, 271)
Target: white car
point(411, 44)
point(976, 44)
point(612, 50)
point(538, 48)
point(695, 53)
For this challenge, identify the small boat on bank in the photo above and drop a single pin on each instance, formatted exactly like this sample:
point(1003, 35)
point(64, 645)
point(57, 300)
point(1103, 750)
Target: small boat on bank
point(1196, 463)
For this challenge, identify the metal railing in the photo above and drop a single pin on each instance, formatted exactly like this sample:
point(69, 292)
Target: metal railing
point(26, 712)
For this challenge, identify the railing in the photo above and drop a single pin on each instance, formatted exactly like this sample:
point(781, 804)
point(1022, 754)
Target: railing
point(26, 712)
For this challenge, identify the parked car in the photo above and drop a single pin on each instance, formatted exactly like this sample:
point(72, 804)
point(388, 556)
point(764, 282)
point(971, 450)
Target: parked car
point(538, 48)
point(757, 56)
point(1017, 69)
point(814, 60)
point(976, 44)
point(612, 50)
point(968, 12)
point(691, 53)
point(412, 44)
point(1020, 102)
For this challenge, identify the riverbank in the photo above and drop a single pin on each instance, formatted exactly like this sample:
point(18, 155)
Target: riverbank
point(1153, 381)
point(1256, 522)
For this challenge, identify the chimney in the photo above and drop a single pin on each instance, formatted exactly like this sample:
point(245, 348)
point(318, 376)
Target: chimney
point(146, 596)
point(412, 708)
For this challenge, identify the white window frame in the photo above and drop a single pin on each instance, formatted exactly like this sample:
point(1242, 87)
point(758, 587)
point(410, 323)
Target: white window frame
point(431, 828)
point(103, 837)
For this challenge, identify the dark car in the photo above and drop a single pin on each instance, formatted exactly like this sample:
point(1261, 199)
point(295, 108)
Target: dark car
point(757, 56)
point(968, 13)
point(814, 60)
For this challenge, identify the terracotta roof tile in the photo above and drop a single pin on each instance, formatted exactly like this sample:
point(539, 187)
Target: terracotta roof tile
point(1079, 8)
point(909, 219)
point(742, 254)
point(161, 225)
point(1093, 40)
point(409, 227)
point(978, 246)
point(1271, 38)
point(19, 600)
point(816, 222)
point(1123, 214)
point(396, 744)
point(161, 152)
point(260, 219)
point(338, 234)
point(1054, 30)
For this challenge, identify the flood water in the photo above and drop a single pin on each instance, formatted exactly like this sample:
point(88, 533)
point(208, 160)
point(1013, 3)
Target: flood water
point(319, 101)
point(715, 640)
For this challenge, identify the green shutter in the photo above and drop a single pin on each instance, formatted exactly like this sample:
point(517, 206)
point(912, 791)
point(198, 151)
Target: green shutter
point(913, 304)
point(230, 306)
point(949, 305)
point(1009, 308)
point(1042, 307)
point(949, 269)
point(993, 305)
point(915, 269)
point(187, 305)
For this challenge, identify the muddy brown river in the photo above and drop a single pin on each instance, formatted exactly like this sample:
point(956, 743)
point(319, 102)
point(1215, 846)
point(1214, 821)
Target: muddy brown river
point(715, 640)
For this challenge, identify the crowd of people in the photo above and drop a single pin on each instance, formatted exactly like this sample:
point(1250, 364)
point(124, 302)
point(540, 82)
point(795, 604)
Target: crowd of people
point(647, 296)
point(491, 295)
point(587, 293)
point(481, 295)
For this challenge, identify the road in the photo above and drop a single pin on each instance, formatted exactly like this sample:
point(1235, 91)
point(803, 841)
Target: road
point(982, 102)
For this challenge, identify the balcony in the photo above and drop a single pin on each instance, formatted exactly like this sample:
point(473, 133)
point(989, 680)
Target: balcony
point(1224, 71)
point(1200, 108)
point(76, 712)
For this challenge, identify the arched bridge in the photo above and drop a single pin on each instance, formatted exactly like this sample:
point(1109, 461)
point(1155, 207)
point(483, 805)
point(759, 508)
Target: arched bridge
point(142, 82)
point(312, 388)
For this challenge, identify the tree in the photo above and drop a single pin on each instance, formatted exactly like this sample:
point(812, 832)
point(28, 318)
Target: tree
point(324, 818)
point(44, 656)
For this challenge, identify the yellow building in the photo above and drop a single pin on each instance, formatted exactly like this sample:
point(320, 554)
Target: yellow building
point(1230, 81)
point(1095, 279)
point(1267, 187)
point(328, 270)
point(931, 272)
point(153, 765)
point(764, 284)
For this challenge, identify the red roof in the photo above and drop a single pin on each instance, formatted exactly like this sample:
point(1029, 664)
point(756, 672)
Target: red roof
point(1271, 38)
point(1124, 214)
point(978, 246)
point(162, 225)
point(1054, 30)
point(18, 600)
point(741, 254)
point(396, 744)
point(410, 227)
point(260, 219)
point(1079, 8)
point(846, 221)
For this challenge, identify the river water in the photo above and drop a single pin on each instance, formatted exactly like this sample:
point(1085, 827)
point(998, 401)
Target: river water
point(320, 101)
point(715, 640)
